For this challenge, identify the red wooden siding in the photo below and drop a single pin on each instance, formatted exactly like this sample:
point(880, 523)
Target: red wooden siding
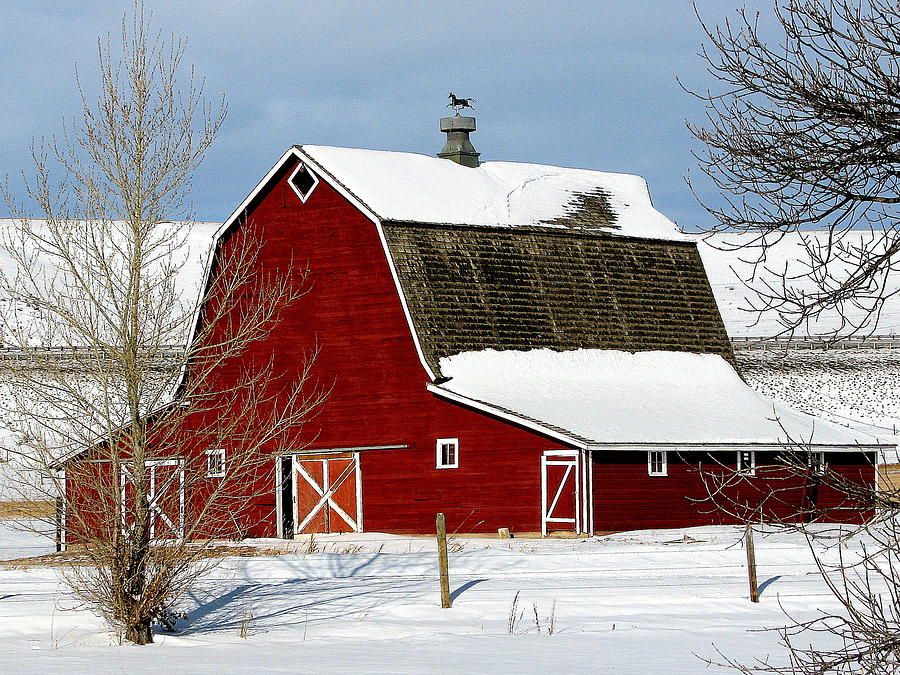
point(367, 358)
point(626, 498)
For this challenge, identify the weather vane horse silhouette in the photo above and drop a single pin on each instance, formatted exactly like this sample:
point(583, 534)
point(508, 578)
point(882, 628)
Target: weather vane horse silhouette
point(459, 103)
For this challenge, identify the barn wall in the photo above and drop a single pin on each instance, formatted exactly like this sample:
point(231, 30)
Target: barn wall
point(497, 484)
point(352, 319)
point(367, 361)
point(91, 489)
point(626, 498)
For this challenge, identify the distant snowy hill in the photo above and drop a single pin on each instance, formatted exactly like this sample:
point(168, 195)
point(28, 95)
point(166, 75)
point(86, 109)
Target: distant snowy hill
point(190, 260)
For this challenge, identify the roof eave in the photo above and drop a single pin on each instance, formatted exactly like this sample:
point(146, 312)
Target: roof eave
point(546, 430)
point(587, 444)
point(761, 446)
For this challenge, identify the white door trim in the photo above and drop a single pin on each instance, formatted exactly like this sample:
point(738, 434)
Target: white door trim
point(279, 520)
point(589, 494)
point(570, 460)
point(154, 494)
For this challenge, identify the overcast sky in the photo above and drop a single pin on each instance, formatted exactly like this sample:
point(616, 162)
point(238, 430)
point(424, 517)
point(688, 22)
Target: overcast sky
point(581, 84)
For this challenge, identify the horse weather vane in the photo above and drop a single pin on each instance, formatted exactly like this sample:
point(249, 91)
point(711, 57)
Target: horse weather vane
point(459, 103)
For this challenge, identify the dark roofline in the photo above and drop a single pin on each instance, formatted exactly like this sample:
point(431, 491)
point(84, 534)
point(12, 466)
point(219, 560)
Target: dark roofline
point(589, 233)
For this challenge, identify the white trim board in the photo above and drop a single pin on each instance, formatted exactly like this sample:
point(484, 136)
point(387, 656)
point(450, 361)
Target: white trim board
point(729, 447)
point(332, 450)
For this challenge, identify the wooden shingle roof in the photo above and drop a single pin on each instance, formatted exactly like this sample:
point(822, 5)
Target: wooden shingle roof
point(470, 288)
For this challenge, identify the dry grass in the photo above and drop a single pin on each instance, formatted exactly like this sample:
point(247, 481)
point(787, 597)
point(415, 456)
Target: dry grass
point(74, 556)
point(36, 509)
point(889, 477)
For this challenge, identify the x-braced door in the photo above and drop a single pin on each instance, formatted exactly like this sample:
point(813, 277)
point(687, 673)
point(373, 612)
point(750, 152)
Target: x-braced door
point(165, 497)
point(560, 492)
point(327, 493)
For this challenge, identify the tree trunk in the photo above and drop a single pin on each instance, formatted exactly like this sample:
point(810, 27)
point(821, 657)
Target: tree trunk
point(139, 633)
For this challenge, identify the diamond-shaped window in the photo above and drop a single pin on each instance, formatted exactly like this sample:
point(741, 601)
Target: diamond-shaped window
point(303, 181)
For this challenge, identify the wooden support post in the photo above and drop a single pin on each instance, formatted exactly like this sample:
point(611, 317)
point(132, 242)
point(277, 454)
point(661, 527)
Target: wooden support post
point(442, 560)
point(58, 538)
point(751, 563)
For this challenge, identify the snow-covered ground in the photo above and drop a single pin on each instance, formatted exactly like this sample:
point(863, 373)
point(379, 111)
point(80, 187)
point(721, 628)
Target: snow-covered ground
point(16, 542)
point(648, 602)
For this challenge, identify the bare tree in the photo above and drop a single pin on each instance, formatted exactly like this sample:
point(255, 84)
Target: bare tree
point(153, 449)
point(803, 133)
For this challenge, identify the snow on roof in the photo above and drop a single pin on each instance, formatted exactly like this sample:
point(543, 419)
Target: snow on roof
point(727, 267)
point(614, 397)
point(402, 186)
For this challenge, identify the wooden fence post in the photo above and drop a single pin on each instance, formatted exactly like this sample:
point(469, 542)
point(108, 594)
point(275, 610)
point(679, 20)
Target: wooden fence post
point(442, 560)
point(751, 563)
point(58, 537)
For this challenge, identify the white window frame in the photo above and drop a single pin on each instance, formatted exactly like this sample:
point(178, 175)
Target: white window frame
point(818, 465)
point(664, 464)
point(302, 167)
point(745, 470)
point(215, 452)
point(439, 455)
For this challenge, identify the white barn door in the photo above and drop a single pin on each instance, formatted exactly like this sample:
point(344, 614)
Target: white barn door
point(165, 494)
point(561, 492)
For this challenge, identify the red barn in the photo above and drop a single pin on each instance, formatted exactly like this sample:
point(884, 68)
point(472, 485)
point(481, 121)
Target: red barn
point(514, 345)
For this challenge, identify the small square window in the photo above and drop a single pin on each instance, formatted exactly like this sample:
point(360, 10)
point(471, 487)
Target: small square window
point(816, 463)
point(746, 462)
point(657, 463)
point(215, 463)
point(303, 182)
point(447, 453)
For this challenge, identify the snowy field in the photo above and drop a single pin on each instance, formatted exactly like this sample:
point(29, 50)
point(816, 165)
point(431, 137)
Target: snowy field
point(649, 602)
point(856, 388)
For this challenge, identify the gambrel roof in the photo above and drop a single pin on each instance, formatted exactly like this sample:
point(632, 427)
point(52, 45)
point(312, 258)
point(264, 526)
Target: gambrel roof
point(525, 259)
point(521, 256)
point(471, 288)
